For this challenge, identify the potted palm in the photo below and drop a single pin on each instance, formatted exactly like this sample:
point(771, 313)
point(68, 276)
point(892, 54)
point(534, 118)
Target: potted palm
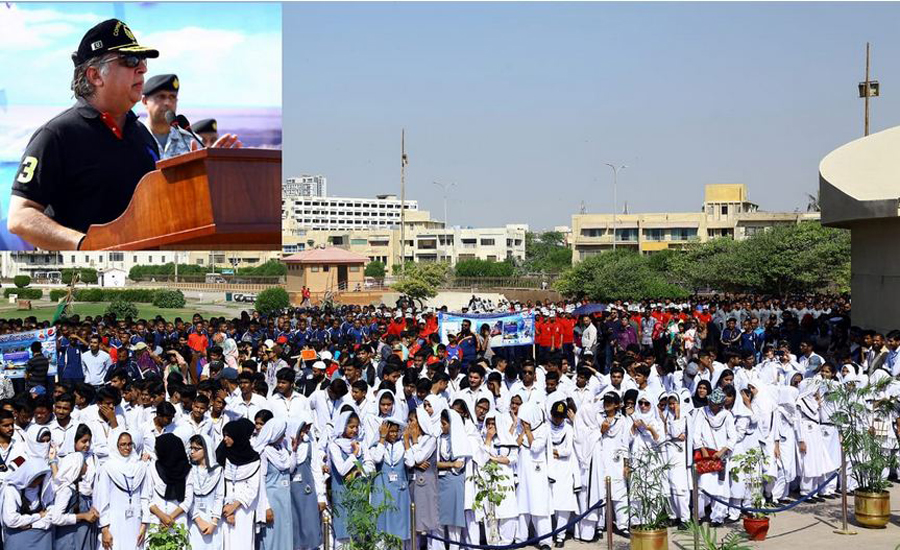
point(749, 467)
point(860, 417)
point(648, 506)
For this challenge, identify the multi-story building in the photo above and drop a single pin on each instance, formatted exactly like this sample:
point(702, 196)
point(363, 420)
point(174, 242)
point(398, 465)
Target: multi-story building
point(345, 212)
point(46, 265)
point(305, 186)
point(426, 241)
point(726, 212)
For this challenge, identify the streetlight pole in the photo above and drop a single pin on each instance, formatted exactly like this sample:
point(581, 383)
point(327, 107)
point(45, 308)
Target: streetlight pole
point(615, 170)
point(445, 187)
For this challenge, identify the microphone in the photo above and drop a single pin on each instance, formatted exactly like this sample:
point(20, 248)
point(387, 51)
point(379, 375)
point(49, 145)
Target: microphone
point(181, 121)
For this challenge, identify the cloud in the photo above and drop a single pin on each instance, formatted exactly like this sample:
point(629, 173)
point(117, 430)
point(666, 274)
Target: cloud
point(220, 68)
point(27, 29)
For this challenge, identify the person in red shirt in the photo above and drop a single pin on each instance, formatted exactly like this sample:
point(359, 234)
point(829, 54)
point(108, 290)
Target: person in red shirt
point(198, 340)
point(567, 328)
point(397, 326)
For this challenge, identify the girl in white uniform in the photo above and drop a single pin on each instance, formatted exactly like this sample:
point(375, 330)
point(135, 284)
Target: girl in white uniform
point(25, 507)
point(208, 483)
point(533, 492)
point(677, 450)
point(168, 495)
point(564, 473)
point(117, 493)
point(714, 429)
point(243, 484)
point(501, 448)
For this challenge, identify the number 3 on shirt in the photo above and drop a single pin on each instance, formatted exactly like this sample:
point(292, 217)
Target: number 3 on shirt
point(28, 167)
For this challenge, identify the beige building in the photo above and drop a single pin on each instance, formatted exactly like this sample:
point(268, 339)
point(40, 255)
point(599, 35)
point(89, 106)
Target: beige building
point(324, 270)
point(427, 240)
point(859, 190)
point(726, 212)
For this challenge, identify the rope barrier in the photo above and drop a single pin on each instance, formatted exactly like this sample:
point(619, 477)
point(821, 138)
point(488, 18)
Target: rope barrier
point(785, 508)
point(525, 543)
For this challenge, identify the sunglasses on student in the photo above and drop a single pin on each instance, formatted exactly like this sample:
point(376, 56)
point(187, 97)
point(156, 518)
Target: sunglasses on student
point(644, 404)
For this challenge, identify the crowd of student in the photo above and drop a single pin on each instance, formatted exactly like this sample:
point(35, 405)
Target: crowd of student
point(246, 431)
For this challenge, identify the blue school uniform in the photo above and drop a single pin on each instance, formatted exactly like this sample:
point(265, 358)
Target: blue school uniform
point(305, 505)
point(451, 489)
point(279, 535)
point(339, 523)
point(393, 486)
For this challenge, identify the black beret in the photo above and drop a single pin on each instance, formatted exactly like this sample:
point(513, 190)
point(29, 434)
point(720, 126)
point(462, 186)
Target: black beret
point(205, 125)
point(160, 83)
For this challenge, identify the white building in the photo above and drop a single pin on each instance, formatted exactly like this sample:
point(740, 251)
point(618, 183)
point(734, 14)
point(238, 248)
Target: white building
point(305, 186)
point(112, 277)
point(329, 213)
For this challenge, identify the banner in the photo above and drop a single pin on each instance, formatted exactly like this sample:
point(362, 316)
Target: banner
point(507, 329)
point(15, 350)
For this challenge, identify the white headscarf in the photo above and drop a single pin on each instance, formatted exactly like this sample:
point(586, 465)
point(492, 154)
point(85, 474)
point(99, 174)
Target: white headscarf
point(33, 447)
point(24, 476)
point(459, 439)
point(502, 437)
point(127, 472)
point(303, 419)
point(68, 470)
point(337, 437)
point(587, 430)
point(430, 424)
point(270, 443)
point(205, 478)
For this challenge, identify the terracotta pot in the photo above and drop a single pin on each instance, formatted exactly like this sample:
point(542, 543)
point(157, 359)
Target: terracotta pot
point(650, 540)
point(757, 528)
point(872, 510)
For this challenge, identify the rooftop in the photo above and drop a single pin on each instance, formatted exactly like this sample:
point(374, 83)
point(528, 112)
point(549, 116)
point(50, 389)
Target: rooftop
point(330, 255)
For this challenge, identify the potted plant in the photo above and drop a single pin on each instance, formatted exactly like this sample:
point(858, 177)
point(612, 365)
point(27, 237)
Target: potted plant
point(648, 506)
point(709, 540)
point(362, 516)
point(748, 467)
point(491, 486)
point(859, 416)
point(160, 537)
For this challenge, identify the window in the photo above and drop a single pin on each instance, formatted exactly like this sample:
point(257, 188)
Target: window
point(150, 260)
point(314, 269)
point(593, 232)
point(627, 235)
point(354, 268)
point(359, 242)
point(487, 242)
point(116, 257)
point(724, 209)
point(654, 234)
point(73, 258)
point(326, 268)
point(684, 233)
point(134, 259)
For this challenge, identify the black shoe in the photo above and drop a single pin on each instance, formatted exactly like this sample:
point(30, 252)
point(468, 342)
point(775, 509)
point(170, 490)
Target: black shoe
point(559, 544)
point(545, 547)
point(715, 524)
point(682, 526)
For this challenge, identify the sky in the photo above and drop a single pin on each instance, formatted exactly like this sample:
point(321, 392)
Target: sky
point(521, 104)
point(227, 57)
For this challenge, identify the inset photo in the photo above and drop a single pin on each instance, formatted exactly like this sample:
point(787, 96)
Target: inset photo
point(140, 126)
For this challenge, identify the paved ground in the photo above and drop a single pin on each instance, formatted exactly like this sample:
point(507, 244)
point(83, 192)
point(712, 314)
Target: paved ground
point(806, 527)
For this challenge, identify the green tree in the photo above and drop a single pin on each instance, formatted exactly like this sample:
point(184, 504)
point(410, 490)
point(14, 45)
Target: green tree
point(272, 299)
point(21, 281)
point(375, 269)
point(484, 268)
point(86, 275)
point(421, 281)
point(546, 253)
point(622, 274)
point(169, 299)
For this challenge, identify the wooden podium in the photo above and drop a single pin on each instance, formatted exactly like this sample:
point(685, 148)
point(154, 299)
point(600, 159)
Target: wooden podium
point(211, 199)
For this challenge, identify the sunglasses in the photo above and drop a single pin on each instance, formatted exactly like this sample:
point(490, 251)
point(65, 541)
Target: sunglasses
point(644, 404)
point(129, 61)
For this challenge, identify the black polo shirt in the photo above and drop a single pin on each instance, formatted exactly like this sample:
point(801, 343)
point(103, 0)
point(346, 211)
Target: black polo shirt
point(78, 168)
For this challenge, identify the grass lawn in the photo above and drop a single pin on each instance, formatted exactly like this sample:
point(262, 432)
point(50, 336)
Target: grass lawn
point(45, 311)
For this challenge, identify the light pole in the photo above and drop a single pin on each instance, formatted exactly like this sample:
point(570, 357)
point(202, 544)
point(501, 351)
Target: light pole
point(615, 170)
point(445, 187)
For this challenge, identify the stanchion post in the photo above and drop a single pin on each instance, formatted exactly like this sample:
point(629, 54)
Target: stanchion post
point(326, 531)
point(610, 510)
point(845, 528)
point(696, 511)
point(412, 525)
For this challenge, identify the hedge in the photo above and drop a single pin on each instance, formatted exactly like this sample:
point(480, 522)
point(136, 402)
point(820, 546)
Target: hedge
point(22, 281)
point(24, 293)
point(57, 293)
point(169, 299)
point(136, 295)
point(122, 309)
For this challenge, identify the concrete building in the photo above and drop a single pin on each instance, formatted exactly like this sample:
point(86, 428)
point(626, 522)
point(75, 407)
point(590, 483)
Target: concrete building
point(324, 270)
point(305, 186)
point(314, 212)
point(426, 241)
point(859, 190)
point(112, 277)
point(726, 212)
point(47, 265)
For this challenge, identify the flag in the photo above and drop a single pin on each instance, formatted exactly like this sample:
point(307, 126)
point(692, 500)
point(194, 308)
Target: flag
point(60, 309)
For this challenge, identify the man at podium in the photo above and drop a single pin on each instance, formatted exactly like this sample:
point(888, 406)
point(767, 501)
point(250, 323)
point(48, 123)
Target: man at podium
point(82, 166)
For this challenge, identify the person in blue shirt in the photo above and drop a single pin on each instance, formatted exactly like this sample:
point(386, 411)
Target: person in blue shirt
point(71, 346)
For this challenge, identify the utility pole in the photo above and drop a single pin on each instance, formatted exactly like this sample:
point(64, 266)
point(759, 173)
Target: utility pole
point(403, 162)
point(615, 170)
point(445, 187)
point(867, 89)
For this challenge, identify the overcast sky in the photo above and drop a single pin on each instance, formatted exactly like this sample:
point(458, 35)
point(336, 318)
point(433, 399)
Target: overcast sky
point(521, 104)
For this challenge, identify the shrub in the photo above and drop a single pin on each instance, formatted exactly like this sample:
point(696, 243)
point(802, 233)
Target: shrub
point(169, 299)
point(375, 269)
point(86, 275)
point(24, 293)
point(21, 281)
point(272, 299)
point(136, 295)
point(57, 293)
point(122, 309)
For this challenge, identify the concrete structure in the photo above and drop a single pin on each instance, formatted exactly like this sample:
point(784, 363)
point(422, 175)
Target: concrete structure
point(112, 277)
point(859, 190)
point(324, 270)
point(426, 241)
point(305, 186)
point(46, 265)
point(313, 212)
point(726, 212)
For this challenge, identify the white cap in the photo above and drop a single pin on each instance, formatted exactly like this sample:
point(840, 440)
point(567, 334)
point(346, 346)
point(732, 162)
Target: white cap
point(325, 355)
point(269, 343)
point(319, 365)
